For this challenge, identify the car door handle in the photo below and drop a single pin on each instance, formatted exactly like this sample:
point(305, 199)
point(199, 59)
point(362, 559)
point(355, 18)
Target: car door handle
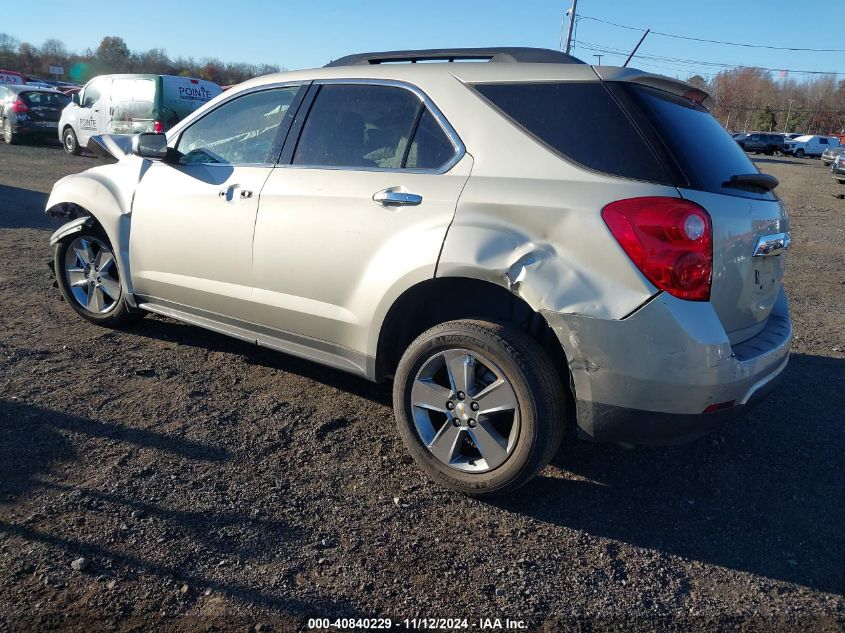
point(234, 193)
point(393, 197)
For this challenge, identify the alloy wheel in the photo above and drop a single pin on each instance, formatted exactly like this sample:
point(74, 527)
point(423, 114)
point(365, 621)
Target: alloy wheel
point(91, 274)
point(465, 410)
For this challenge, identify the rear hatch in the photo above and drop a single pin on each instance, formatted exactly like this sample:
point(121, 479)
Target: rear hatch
point(715, 173)
point(44, 108)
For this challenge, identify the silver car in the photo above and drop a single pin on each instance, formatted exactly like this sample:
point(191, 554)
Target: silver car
point(831, 153)
point(461, 230)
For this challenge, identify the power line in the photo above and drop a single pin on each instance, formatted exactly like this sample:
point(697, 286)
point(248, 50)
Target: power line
point(602, 48)
point(701, 39)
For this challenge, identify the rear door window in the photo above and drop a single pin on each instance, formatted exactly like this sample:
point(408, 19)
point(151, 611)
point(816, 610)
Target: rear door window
point(358, 126)
point(581, 122)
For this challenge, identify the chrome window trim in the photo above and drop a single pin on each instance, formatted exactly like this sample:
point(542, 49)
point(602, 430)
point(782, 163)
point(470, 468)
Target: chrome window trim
point(174, 135)
point(451, 134)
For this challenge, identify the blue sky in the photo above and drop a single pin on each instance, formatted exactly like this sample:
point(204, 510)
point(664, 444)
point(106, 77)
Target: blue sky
point(307, 34)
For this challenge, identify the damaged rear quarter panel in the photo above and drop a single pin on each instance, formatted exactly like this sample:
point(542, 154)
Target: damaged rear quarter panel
point(544, 239)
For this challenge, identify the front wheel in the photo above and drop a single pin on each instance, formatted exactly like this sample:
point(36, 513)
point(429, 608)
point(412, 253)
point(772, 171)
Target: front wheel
point(69, 141)
point(479, 405)
point(799, 153)
point(89, 279)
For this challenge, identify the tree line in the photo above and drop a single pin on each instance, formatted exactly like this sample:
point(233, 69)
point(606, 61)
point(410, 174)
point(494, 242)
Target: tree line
point(113, 56)
point(752, 99)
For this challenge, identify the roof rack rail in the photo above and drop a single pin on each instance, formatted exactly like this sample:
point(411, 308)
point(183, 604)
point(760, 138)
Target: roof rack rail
point(509, 54)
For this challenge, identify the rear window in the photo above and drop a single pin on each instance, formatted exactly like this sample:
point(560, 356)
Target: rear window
point(705, 152)
point(45, 99)
point(580, 121)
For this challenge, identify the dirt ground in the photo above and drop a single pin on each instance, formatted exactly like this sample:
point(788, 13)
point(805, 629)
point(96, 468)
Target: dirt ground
point(212, 485)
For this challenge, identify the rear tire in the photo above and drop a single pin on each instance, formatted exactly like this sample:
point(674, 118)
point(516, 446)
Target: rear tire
point(503, 370)
point(70, 142)
point(9, 137)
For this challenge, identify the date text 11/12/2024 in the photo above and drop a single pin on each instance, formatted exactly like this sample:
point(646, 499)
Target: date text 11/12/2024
point(418, 624)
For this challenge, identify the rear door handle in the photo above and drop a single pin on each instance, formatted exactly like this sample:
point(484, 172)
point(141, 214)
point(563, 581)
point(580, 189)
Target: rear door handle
point(394, 197)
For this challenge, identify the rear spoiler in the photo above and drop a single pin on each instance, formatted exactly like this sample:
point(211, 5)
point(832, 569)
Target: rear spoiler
point(675, 86)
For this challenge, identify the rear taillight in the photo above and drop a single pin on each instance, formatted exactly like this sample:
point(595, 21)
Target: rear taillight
point(670, 240)
point(19, 106)
point(158, 127)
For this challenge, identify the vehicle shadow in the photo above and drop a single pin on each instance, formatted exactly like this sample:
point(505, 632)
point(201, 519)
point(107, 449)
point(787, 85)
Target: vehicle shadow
point(765, 494)
point(165, 329)
point(24, 209)
point(33, 439)
point(98, 524)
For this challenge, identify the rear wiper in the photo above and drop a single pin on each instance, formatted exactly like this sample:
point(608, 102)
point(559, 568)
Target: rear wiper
point(752, 182)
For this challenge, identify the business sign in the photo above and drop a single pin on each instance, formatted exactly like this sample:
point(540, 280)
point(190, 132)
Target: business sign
point(57, 70)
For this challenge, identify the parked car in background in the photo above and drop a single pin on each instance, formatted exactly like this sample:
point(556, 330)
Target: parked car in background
point(11, 77)
point(809, 145)
point(792, 135)
point(739, 137)
point(830, 154)
point(762, 143)
point(441, 225)
point(40, 83)
point(837, 168)
point(129, 104)
point(29, 111)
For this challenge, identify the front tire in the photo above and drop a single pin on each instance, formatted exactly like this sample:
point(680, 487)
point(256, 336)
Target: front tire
point(70, 142)
point(89, 279)
point(799, 153)
point(479, 405)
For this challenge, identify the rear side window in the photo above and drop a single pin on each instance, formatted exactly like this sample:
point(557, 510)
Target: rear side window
point(705, 152)
point(45, 99)
point(431, 148)
point(580, 121)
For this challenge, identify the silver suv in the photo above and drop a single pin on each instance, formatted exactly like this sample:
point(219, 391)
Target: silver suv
point(523, 246)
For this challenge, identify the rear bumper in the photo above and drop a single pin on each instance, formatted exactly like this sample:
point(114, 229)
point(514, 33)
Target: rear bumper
point(31, 128)
point(650, 377)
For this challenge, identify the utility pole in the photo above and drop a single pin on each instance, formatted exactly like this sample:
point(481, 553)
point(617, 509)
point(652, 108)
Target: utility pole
point(599, 56)
point(571, 13)
point(788, 112)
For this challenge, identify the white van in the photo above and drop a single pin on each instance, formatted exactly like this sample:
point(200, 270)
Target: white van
point(129, 104)
point(809, 145)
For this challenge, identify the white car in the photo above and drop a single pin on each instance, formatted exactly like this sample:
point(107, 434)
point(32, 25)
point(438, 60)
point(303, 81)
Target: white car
point(130, 104)
point(809, 145)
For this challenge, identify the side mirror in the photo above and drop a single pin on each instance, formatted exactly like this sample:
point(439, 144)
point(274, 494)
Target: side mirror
point(150, 145)
point(75, 98)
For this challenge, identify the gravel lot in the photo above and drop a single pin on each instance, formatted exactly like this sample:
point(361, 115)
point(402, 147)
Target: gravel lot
point(212, 485)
